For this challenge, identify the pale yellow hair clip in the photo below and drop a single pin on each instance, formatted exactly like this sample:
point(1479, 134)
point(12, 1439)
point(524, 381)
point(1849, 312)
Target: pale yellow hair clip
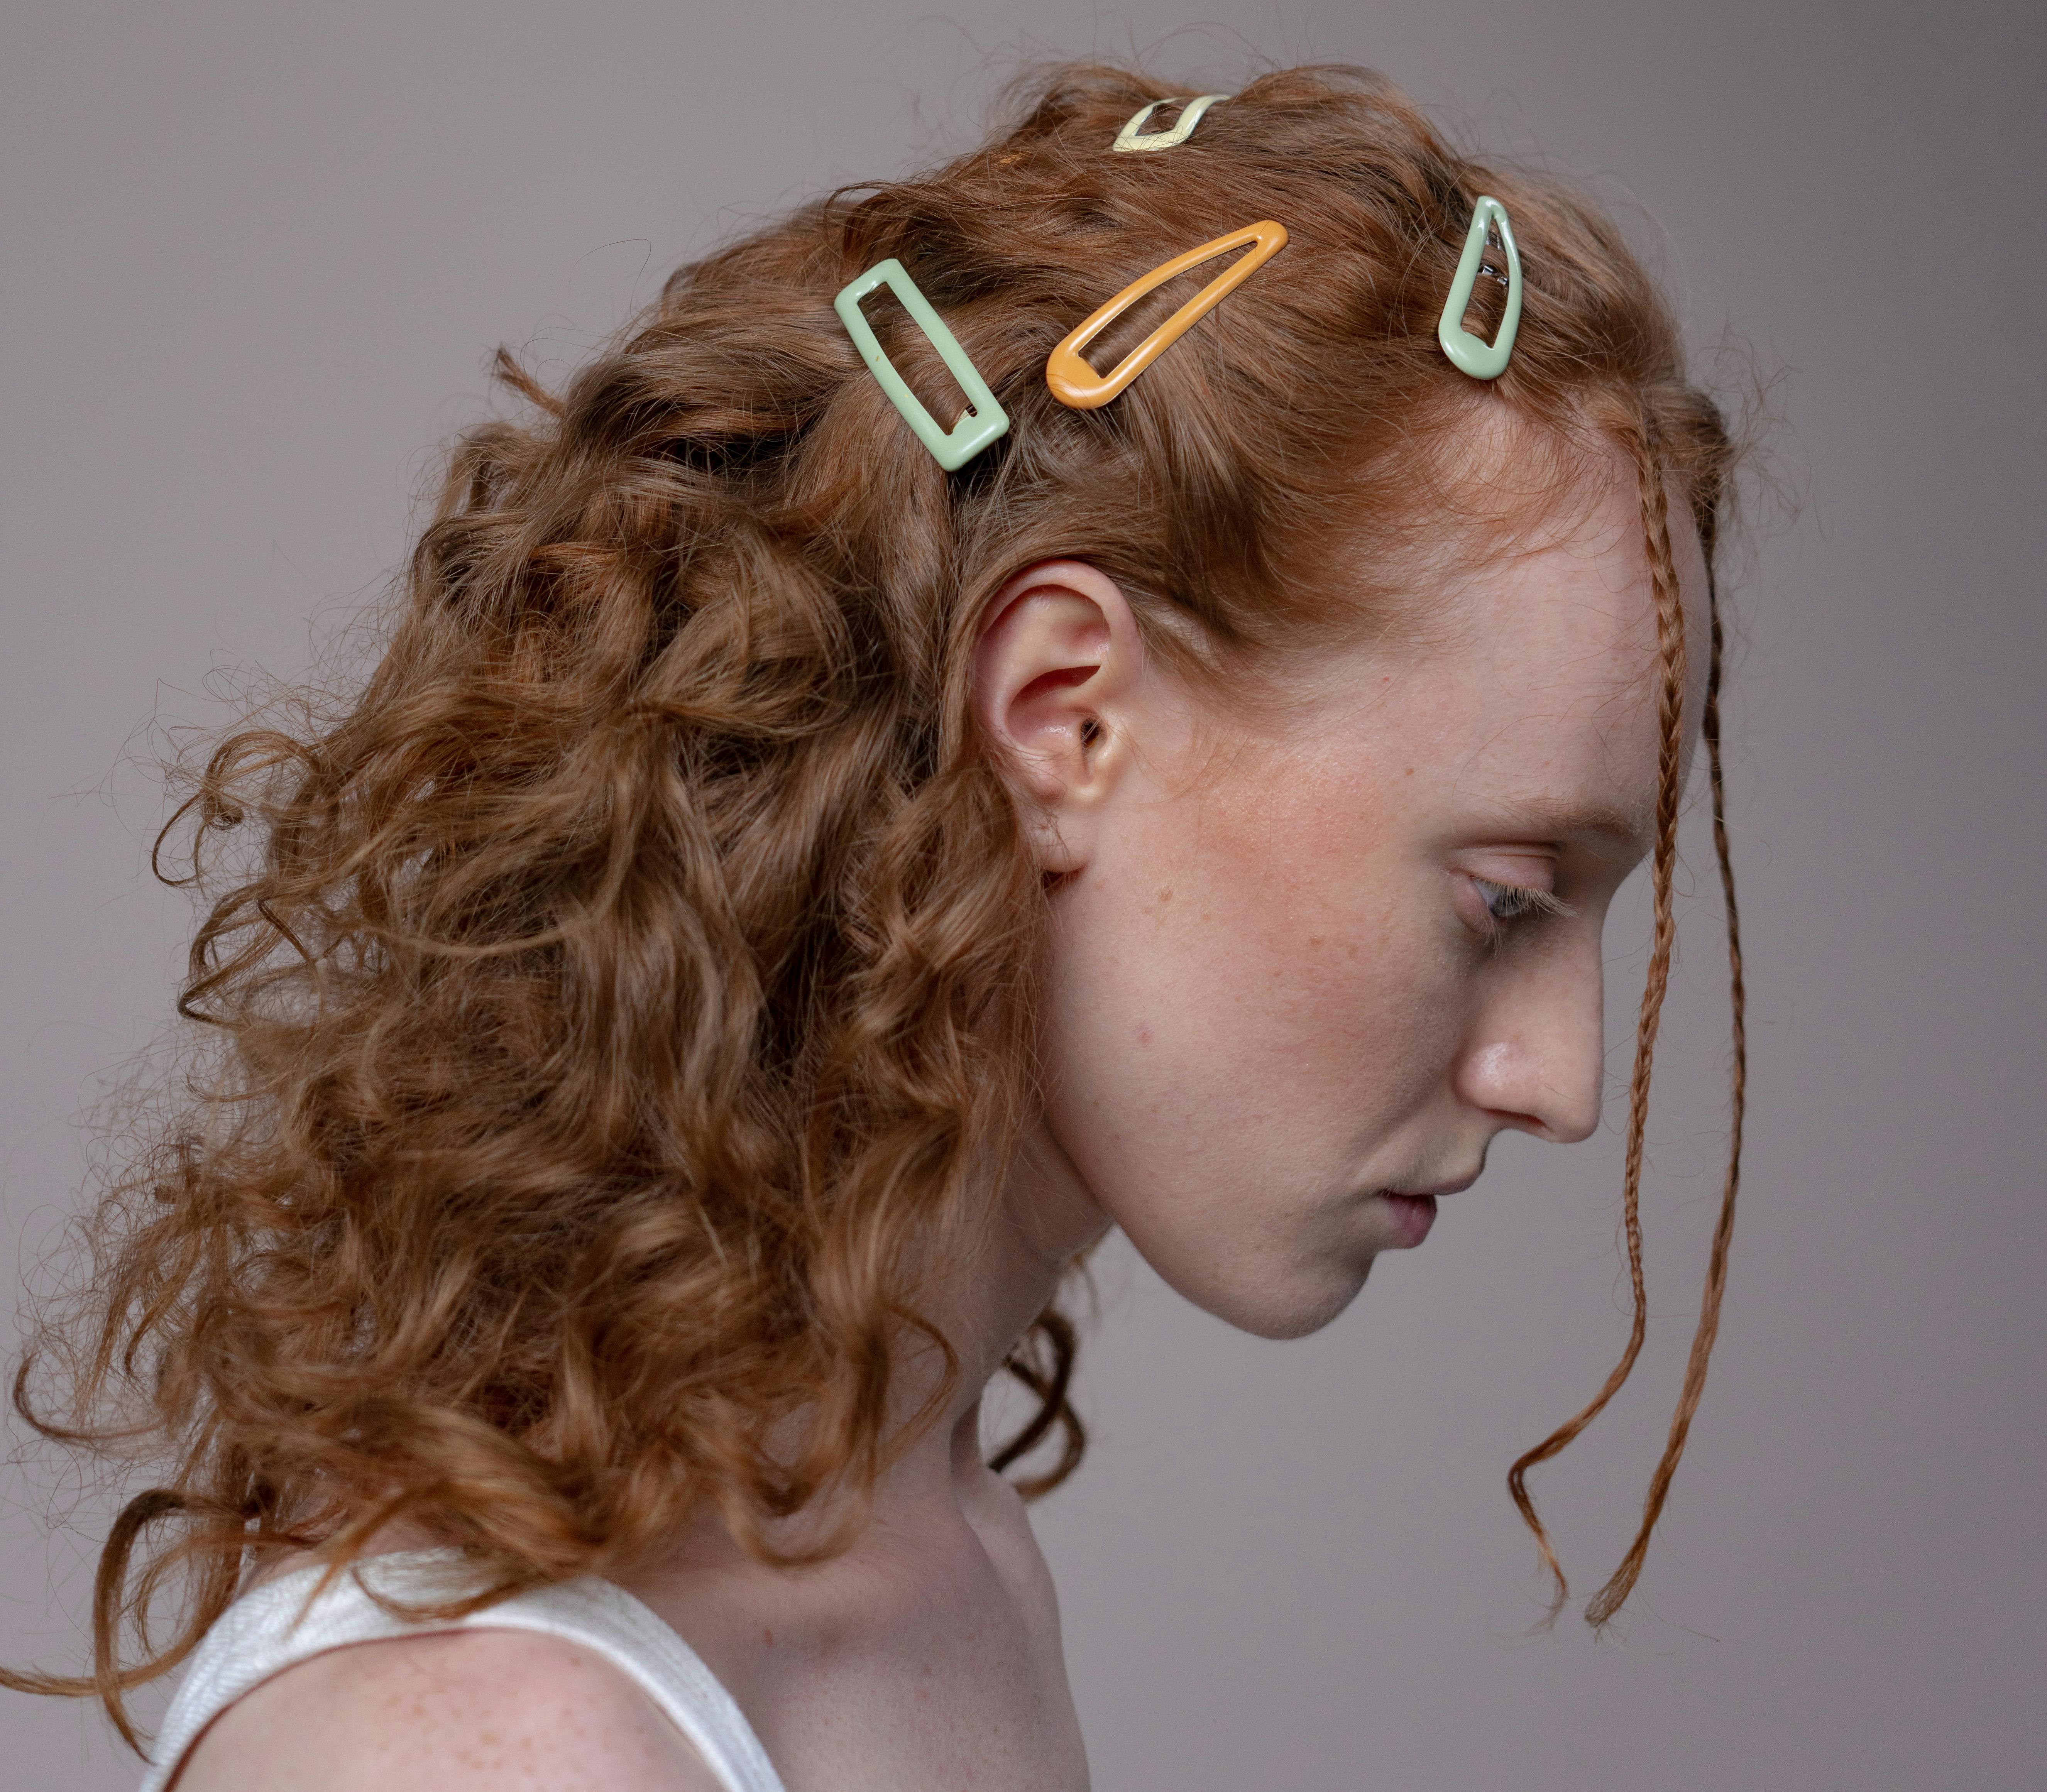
point(1133, 138)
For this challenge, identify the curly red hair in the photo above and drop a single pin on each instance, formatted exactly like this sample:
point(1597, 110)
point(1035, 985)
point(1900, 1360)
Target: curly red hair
point(618, 1001)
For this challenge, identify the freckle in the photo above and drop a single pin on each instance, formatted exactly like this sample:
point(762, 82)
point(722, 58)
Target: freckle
point(1409, 772)
point(1165, 895)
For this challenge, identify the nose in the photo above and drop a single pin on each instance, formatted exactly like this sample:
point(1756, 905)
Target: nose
point(1535, 1059)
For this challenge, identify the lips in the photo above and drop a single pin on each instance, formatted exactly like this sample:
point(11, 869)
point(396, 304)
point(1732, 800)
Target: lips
point(1412, 1215)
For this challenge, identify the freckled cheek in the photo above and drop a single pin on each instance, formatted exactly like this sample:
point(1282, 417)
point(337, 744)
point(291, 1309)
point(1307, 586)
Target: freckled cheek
point(1335, 958)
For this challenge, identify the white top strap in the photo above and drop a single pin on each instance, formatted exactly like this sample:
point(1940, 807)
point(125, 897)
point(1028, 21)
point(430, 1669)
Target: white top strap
point(280, 1624)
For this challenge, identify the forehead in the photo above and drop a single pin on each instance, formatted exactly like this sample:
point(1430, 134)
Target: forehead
point(1562, 611)
point(1529, 695)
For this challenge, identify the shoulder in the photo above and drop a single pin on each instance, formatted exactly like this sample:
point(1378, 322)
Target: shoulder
point(449, 1711)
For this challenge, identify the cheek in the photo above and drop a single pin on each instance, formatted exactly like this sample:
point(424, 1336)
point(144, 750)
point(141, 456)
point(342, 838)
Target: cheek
point(1342, 938)
point(1252, 1024)
point(1255, 995)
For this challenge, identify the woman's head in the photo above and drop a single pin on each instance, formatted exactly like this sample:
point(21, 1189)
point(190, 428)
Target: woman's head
point(626, 994)
point(1319, 947)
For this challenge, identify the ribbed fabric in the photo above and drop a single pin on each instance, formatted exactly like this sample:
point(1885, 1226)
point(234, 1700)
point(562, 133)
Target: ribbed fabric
point(274, 1627)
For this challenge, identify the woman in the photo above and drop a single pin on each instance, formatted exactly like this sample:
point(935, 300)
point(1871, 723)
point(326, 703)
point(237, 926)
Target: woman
point(800, 873)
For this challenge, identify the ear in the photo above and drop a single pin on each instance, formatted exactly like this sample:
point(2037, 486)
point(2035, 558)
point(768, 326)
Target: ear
point(1055, 675)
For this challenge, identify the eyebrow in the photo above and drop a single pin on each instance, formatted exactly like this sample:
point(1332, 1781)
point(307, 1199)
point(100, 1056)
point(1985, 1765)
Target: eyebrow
point(1563, 818)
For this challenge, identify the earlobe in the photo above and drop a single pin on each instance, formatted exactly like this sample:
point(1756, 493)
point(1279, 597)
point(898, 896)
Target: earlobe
point(1054, 669)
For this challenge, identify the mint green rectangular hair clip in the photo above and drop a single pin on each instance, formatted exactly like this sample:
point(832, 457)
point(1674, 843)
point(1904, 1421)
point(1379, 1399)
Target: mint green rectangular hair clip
point(985, 421)
point(1473, 355)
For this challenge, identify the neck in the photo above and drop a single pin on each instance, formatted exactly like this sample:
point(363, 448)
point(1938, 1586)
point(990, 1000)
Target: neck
point(1044, 1219)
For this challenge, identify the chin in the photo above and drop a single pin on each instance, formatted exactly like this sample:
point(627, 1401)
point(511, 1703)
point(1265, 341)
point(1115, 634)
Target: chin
point(1289, 1305)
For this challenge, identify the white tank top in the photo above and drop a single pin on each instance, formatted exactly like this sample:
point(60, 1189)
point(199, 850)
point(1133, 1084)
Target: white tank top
point(279, 1625)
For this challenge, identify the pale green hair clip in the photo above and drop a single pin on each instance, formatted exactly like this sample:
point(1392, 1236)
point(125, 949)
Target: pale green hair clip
point(1134, 139)
point(1473, 354)
point(985, 420)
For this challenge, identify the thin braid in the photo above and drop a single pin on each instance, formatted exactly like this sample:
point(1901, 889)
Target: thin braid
point(1670, 722)
point(1610, 1597)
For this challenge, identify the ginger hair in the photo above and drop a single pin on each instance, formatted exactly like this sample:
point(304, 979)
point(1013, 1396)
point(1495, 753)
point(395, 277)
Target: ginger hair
point(617, 1002)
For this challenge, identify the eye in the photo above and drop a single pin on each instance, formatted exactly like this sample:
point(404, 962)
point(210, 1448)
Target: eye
point(1507, 905)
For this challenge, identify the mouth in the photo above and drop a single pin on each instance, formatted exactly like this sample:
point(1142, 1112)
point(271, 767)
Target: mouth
point(1413, 1210)
point(1412, 1215)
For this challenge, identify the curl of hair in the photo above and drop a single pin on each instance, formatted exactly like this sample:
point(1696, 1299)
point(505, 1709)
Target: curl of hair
point(618, 1005)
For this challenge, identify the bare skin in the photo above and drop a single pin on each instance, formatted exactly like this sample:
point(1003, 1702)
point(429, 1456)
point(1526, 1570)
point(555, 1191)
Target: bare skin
point(1298, 983)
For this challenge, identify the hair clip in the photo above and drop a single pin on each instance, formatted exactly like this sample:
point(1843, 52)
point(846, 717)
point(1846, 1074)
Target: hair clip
point(1132, 138)
point(985, 421)
point(1077, 385)
point(1480, 359)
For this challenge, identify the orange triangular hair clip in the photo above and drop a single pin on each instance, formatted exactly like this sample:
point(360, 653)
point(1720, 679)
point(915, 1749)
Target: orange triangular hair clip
point(1076, 385)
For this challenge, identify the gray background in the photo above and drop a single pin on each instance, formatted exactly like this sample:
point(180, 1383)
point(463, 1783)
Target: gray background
point(254, 256)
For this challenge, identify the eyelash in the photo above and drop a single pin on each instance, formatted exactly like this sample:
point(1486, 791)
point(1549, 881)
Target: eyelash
point(1507, 905)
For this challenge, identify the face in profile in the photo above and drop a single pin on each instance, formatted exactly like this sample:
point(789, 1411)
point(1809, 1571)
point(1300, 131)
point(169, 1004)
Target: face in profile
point(1304, 968)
